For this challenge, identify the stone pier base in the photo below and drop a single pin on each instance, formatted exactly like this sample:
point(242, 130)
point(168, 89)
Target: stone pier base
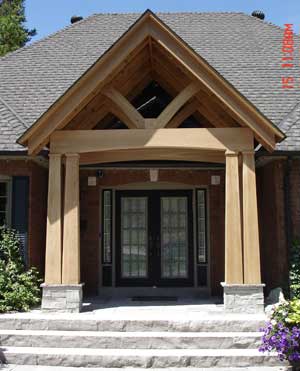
point(62, 298)
point(243, 298)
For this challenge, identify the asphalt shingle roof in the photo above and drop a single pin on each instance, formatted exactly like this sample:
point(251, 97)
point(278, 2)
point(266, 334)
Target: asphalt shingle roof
point(11, 128)
point(291, 128)
point(244, 49)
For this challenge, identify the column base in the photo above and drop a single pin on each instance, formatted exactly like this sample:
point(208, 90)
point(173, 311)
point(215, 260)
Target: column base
point(243, 298)
point(62, 298)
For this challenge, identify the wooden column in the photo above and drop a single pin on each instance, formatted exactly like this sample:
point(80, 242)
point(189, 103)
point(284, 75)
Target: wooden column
point(53, 236)
point(71, 239)
point(252, 273)
point(233, 222)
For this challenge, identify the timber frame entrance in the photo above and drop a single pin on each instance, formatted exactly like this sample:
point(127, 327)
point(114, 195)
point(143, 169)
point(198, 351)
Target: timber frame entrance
point(76, 131)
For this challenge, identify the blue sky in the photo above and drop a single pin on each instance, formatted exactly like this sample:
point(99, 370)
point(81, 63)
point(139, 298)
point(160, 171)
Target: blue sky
point(48, 16)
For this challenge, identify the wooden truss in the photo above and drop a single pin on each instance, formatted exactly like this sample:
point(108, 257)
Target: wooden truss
point(150, 50)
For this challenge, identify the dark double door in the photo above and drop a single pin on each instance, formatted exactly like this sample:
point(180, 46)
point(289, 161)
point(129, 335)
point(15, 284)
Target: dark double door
point(154, 243)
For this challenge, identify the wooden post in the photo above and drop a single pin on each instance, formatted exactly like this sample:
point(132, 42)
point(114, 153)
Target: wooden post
point(233, 222)
point(53, 236)
point(252, 273)
point(71, 239)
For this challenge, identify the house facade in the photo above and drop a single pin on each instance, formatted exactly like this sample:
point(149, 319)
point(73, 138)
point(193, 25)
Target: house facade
point(146, 154)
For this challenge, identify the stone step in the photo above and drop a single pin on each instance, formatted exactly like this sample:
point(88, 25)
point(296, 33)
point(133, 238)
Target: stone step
point(86, 323)
point(58, 368)
point(129, 340)
point(137, 358)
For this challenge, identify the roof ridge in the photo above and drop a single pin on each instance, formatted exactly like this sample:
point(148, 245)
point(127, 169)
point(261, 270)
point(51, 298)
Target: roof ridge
point(268, 23)
point(175, 12)
point(95, 15)
point(13, 112)
point(286, 119)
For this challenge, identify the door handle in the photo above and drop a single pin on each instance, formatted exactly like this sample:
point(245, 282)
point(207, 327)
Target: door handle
point(158, 247)
point(150, 245)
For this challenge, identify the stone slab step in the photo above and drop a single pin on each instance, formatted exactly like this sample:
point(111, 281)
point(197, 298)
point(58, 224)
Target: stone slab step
point(81, 323)
point(141, 358)
point(58, 368)
point(129, 340)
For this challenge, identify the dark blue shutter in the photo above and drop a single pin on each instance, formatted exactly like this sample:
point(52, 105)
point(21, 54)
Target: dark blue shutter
point(20, 208)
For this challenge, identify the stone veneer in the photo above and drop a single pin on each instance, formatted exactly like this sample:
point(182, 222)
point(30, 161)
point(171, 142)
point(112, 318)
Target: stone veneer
point(243, 298)
point(62, 298)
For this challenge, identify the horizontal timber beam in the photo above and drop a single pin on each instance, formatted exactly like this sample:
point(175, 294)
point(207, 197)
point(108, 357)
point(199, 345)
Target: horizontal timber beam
point(159, 154)
point(84, 141)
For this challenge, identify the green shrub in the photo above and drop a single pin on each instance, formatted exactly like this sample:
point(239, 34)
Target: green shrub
point(19, 288)
point(295, 270)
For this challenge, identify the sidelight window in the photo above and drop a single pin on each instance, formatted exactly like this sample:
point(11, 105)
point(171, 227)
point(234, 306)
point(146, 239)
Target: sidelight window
point(107, 226)
point(5, 201)
point(201, 226)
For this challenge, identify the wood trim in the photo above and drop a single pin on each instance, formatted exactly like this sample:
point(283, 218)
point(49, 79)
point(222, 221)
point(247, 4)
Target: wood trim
point(126, 112)
point(172, 84)
point(175, 105)
point(71, 238)
point(81, 141)
point(252, 274)
point(182, 115)
point(122, 107)
point(153, 154)
point(53, 264)
point(233, 221)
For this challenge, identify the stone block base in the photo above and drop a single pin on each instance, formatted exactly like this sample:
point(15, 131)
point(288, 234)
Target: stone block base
point(62, 298)
point(243, 298)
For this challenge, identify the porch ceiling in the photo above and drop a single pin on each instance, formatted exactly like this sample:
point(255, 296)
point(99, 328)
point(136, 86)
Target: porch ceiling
point(150, 51)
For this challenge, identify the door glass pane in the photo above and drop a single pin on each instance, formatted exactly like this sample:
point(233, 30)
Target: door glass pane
point(134, 232)
point(174, 237)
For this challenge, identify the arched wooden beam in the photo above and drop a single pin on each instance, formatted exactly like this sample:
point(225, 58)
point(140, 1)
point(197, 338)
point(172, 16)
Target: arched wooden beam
point(83, 141)
point(151, 154)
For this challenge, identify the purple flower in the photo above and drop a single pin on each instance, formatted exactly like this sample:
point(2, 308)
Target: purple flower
point(281, 337)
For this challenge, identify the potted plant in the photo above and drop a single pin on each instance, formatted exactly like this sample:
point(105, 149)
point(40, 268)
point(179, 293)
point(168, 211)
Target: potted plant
point(282, 333)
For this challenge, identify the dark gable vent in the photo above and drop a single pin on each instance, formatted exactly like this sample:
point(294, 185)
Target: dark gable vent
point(76, 18)
point(258, 14)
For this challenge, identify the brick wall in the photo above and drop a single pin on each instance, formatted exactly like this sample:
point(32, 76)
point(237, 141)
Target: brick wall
point(37, 205)
point(271, 199)
point(295, 198)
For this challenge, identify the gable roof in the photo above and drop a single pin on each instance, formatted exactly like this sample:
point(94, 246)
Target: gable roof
point(244, 50)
